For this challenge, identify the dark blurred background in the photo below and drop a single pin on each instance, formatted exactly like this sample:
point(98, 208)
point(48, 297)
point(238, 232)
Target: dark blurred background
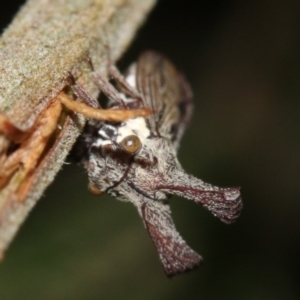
point(242, 60)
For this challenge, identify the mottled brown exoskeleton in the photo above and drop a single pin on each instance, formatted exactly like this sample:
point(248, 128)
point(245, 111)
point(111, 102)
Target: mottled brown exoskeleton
point(136, 161)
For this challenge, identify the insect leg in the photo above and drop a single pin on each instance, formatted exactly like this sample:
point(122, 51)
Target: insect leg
point(123, 83)
point(224, 203)
point(176, 256)
point(82, 94)
point(109, 90)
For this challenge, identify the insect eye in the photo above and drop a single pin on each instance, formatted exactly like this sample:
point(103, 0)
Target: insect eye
point(131, 144)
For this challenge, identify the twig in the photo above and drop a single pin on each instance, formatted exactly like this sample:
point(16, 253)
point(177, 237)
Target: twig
point(46, 40)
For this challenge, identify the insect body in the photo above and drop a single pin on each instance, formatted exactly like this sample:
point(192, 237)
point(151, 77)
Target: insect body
point(136, 161)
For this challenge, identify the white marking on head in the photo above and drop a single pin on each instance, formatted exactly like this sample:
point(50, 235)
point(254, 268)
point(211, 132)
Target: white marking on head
point(100, 142)
point(135, 126)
